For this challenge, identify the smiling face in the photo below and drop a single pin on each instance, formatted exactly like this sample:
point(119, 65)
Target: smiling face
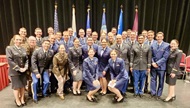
point(174, 44)
point(119, 39)
point(113, 55)
point(104, 43)
point(17, 40)
point(91, 53)
point(159, 37)
point(141, 39)
point(61, 49)
point(76, 42)
point(22, 32)
point(46, 45)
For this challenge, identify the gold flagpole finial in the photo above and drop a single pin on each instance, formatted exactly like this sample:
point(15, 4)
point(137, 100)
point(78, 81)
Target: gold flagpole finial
point(55, 4)
point(136, 8)
point(104, 8)
point(73, 6)
point(121, 6)
point(88, 8)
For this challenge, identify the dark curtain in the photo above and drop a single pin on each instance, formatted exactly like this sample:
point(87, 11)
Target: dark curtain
point(170, 16)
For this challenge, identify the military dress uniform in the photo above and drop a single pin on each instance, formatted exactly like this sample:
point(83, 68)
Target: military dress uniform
point(140, 61)
point(85, 49)
point(17, 58)
point(118, 72)
point(82, 41)
point(103, 57)
point(41, 64)
point(160, 54)
point(75, 57)
point(90, 72)
point(61, 68)
point(173, 66)
point(123, 50)
point(147, 82)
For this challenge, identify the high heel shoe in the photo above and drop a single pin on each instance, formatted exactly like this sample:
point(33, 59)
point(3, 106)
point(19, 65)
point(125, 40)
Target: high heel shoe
point(120, 100)
point(24, 104)
point(174, 97)
point(169, 100)
point(17, 104)
point(90, 100)
point(78, 93)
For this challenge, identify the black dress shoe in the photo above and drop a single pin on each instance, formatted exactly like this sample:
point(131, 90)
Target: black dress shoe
point(158, 98)
point(152, 96)
point(170, 100)
point(135, 95)
point(18, 105)
point(35, 101)
point(141, 95)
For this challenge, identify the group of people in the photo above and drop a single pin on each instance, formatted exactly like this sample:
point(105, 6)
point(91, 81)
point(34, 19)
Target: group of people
point(112, 62)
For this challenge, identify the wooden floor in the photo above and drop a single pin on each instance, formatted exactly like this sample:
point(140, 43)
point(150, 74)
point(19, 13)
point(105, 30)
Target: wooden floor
point(182, 93)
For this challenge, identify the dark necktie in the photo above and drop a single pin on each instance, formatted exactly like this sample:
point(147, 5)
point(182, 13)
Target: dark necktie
point(158, 46)
point(149, 42)
point(102, 52)
point(114, 65)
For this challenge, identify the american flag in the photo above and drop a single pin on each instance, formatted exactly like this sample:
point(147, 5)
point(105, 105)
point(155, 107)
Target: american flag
point(56, 23)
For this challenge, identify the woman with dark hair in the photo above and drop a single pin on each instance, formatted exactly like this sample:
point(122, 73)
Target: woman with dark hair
point(18, 64)
point(61, 69)
point(172, 69)
point(103, 57)
point(118, 75)
point(90, 75)
point(75, 57)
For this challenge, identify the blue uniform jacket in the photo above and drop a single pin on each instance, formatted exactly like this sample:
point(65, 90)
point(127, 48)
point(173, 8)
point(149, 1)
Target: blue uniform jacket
point(85, 50)
point(90, 69)
point(82, 42)
point(119, 71)
point(160, 54)
point(103, 60)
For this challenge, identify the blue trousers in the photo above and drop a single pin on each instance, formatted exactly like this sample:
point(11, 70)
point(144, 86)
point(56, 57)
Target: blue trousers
point(139, 77)
point(124, 89)
point(153, 85)
point(45, 77)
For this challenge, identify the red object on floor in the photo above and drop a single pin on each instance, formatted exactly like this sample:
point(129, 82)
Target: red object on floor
point(4, 81)
point(3, 58)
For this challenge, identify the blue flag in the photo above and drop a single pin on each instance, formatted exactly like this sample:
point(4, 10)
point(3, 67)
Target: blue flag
point(104, 27)
point(120, 25)
point(88, 19)
point(56, 24)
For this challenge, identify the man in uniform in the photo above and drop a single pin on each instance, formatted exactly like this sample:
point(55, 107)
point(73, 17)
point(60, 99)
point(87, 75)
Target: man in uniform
point(160, 54)
point(42, 66)
point(140, 63)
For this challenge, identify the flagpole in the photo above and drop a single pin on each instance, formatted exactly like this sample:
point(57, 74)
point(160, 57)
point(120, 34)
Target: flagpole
point(56, 24)
point(73, 21)
point(135, 24)
point(120, 24)
point(88, 17)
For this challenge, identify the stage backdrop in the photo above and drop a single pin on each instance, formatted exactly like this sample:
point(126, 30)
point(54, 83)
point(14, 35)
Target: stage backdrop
point(170, 16)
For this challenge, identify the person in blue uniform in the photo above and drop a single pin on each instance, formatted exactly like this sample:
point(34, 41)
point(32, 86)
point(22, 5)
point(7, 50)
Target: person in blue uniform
point(160, 53)
point(67, 41)
point(90, 75)
point(172, 69)
point(88, 46)
point(82, 39)
point(118, 74)
point(42, 67)
point(150, 40)
point(103, 57)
